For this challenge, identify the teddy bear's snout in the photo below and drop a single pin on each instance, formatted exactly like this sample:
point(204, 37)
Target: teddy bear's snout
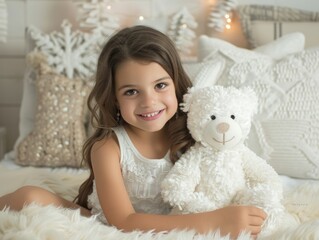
point(222, 127)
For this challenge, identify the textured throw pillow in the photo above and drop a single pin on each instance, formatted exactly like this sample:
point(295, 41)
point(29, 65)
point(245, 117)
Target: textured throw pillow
point(59, 128)
point(248, 62)
point(285, 131)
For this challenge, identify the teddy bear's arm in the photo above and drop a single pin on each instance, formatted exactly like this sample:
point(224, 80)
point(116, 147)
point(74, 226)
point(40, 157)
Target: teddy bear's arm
point(264, 190)
point(179, 186)
point(264, 187)
point(258, 171)
point(180, 183)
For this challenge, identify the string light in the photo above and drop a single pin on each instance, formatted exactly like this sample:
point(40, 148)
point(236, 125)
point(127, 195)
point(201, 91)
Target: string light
point(184, 26)
point(141, 18)
point(228, 21)
point(220, 17)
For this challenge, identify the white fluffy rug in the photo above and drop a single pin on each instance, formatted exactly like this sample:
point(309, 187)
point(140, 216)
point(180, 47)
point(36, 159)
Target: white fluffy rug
point(50, 223)
point(39, 223)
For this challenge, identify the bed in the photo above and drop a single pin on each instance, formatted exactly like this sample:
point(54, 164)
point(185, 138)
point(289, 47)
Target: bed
point(285, 132)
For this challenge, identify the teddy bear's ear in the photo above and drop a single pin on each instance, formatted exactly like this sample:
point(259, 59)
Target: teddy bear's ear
point(187, 100)
point(209, 74)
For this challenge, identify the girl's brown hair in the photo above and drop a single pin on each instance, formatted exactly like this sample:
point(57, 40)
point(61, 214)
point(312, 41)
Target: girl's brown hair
point(138, 43)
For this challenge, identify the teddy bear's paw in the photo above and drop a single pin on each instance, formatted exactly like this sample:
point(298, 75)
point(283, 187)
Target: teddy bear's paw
point(274, 221)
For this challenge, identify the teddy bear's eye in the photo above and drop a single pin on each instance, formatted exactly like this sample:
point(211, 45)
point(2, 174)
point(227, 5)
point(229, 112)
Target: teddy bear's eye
point(232, 116)
point(213, 117)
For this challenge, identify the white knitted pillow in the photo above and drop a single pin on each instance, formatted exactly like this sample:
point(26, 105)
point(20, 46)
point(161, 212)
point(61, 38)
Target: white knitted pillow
point(285, 131)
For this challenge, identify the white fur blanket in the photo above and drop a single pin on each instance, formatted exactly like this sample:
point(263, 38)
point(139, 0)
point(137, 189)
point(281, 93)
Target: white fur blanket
point(35, 222)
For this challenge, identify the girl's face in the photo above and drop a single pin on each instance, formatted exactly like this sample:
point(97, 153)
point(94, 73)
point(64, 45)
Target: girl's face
point(145, 95)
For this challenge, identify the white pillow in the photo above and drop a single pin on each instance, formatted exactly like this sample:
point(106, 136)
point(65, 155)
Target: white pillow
point(287, 44)
point(210, 69)
point(27, 110)
point(285, 131)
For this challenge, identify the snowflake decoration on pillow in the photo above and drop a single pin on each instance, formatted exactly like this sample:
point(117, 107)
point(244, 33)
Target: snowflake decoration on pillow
point(71, 53)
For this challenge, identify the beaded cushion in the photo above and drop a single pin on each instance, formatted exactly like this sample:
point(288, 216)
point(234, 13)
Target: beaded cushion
point(285, 131)
point(69, 52)
point(59, 130)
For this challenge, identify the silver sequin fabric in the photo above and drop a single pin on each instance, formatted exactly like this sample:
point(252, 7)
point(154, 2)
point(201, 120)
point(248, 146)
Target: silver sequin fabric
point(59, 131)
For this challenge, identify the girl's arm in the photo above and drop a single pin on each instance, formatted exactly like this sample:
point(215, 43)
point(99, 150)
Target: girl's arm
point(119, 211)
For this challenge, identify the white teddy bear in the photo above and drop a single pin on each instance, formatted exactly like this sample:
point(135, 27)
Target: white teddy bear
point(219, 170)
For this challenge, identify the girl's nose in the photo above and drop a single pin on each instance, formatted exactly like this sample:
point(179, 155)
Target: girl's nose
point(148, 99)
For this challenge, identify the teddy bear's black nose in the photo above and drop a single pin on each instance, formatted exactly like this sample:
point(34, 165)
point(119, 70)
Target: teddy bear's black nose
point(213, 117)
point(232, 116)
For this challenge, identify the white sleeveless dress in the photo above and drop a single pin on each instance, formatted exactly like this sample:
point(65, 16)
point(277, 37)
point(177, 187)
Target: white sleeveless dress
point(142, 178)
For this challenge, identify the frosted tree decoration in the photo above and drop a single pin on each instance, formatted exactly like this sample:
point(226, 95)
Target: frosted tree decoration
point(3, 21)
point(96, 16)
point(69, 53)
point(220, 16)
point(181, 32)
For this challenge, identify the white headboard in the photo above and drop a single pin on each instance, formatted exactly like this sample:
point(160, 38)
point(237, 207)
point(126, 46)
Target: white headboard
point(264, 23)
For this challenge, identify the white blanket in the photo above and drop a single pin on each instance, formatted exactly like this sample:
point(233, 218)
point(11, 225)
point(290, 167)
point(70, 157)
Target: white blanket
point(35, 222)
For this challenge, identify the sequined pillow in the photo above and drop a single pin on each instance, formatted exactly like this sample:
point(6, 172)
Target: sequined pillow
point(59, 128)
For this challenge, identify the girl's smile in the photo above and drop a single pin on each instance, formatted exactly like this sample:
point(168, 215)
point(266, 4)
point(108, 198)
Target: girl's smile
point(151, 116)
point(145, 94)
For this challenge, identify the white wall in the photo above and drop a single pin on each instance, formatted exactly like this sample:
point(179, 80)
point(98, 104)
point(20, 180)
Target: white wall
point(47, 15)
point(22, 13)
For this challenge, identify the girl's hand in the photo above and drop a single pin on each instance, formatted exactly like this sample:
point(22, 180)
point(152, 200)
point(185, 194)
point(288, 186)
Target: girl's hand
point(235, 219)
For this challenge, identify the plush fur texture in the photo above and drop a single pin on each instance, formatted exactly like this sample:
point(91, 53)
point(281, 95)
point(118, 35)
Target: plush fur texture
point(50, 223)
point(219, 170)
point(40, 223)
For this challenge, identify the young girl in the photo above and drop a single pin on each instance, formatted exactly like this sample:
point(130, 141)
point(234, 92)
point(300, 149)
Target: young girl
point(140, 132)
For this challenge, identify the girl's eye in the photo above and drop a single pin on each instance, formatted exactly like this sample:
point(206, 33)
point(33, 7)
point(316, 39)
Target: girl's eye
point(130, 92)
point(160, 85)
